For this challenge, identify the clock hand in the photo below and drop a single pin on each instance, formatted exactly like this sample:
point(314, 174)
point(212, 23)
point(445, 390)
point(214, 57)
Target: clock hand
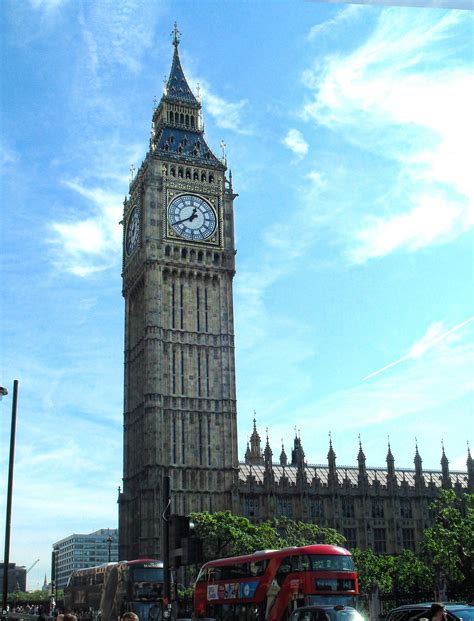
point(190, 218)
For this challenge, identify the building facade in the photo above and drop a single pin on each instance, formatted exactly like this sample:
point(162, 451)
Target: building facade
point(79, 551)
point(16, 577)
point(178, 267)
point(180, 416)
point(384, 509)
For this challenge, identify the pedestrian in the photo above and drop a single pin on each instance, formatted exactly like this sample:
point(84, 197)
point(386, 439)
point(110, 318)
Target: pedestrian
point(437, 612)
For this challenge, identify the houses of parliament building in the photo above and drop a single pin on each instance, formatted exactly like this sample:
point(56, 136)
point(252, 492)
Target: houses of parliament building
point(180, 414)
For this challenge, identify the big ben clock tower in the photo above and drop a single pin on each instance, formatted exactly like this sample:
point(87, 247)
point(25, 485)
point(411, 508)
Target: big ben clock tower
point(178, 266)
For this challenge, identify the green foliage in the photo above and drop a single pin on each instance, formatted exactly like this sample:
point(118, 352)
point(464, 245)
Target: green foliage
point(400, 574)
point(225, 534)
point(24, 597)
point(448, 545)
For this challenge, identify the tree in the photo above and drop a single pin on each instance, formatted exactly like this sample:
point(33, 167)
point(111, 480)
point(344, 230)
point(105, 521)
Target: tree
point(225, 534)
point(399, 574)
point(448, 545)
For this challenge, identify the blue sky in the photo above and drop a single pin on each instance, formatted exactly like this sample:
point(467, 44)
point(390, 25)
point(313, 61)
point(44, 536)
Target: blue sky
point(349, 133)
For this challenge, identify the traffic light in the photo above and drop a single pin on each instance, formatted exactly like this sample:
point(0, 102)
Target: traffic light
point(185, 546)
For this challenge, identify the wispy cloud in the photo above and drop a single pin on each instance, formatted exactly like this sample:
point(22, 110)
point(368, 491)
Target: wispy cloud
point(433, 337)
point(295, 141)
point(330, 27)
point(85, 246)
point(390, 98)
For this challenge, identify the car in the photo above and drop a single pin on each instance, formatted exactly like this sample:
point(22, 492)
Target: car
point(326, 613)
point(414, 612)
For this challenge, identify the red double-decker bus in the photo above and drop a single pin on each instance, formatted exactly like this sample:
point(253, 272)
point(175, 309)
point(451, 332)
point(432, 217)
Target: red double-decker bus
point(269, 585)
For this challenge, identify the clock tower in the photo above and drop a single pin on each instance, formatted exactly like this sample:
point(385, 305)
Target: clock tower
point(178, 267)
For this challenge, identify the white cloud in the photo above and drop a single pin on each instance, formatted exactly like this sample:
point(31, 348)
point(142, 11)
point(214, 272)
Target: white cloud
point(390, 97)
point(89, 245)
point(295, 141)
point(431, 221)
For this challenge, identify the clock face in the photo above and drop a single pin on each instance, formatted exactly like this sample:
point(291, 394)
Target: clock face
point(133, 231)
point(192, 217)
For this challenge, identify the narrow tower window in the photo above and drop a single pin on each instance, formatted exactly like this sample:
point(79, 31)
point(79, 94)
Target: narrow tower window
point(209, 440)
point(201, 448)
point(173, 305)
point(181, 306)
point(198, 311)
point(206, 311)
point(207, 373)
point(174, 440)
point(173, 371)
point(199, 378)
point(182, 372)
point(183, 447)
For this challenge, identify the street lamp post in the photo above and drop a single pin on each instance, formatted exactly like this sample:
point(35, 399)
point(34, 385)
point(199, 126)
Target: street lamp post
point(108, 541)
point(6, 558)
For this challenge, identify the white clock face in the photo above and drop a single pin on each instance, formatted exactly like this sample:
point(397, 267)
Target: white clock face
point(133, 231)
point(192, 217)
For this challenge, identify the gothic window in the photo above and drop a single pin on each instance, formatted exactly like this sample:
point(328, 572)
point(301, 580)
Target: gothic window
point(198, 310)
point(180, 171)
point(284, 507)
point(184, 253)
point(216, 258)
point(207, 373)
point(408, 538)
point(173, 303)
point(203, 176)
point(377, 508)
point(195, 173)
point(351, 537)
point(251, 507)
point(170, 117)
point(406, 510)
point(183, 447)
point(174, 440)
point(166, 147)
point(199, 373)
point(380, 540)
point(181, 118)
point(201, 444)
point(181, 306)
point(186, 120)
point(209, 441)
point(200, 256)
point(348, 508)
point(171, 139)
point(188, 173)
point(173, 171)
point(206, 311)
point(167, 251)
point(211, 178)
point(173, 371)
point(182, 373)
point(316, 509)
point(180, 150)
point(192, 120)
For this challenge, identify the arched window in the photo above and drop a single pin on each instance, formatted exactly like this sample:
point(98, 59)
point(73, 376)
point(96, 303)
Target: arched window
point(192, 120)
point(203, 176)
point(188, 173)
point(180, 172)
point(211, 177)
point(196, 175)
point(171, 116)
point(167, 251)
point(200, 255)
point(216, 258)
point(187, 119)
point(173, 171)
point(181, 119)
point(184, 253)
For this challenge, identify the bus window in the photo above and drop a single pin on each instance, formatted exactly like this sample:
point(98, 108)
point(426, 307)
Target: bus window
point(331, 562)
point(283, 570)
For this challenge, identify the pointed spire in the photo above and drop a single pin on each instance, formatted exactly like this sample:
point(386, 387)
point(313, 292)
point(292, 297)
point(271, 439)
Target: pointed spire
point(470, 471)
point(390, 460)
point(446, 479)
point(283, 457)
point(177, 88)
point(268, 453)
point(418, 461)
point(255, 451)
point(332, 462)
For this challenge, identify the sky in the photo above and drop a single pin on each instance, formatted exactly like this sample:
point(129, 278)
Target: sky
point(349, 133)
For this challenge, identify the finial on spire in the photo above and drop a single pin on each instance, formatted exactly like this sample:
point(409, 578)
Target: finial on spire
point(132, 172)
point(176, 35)
point(198, 92)
point(223, 146)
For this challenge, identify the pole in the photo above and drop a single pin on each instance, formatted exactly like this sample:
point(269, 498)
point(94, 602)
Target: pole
point(166, 548)
point(6, 558)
